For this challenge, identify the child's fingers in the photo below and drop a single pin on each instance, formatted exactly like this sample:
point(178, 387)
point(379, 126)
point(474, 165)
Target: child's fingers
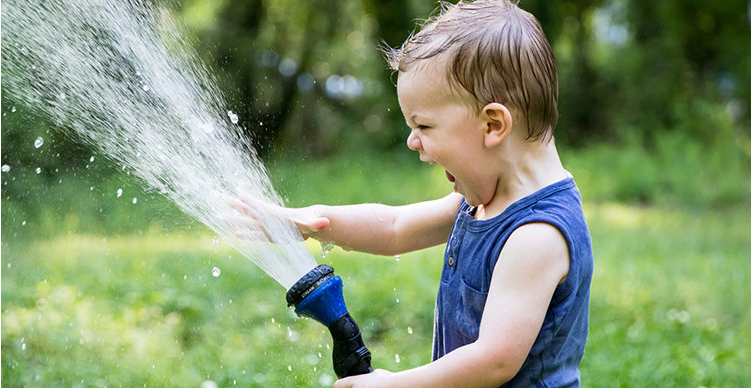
point(257, 206)
point(254, 211)
point(246, 206)
point(252, 235)
point(238, 205)
point(252, 202)
point(248, 228)
point(241, 221)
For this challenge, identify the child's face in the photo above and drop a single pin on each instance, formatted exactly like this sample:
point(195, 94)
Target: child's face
point(446, 131)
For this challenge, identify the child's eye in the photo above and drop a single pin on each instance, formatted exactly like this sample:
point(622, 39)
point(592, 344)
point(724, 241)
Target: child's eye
point(422, 126)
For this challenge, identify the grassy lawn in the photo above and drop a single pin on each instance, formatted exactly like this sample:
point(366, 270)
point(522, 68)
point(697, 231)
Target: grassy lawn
point(93, 308)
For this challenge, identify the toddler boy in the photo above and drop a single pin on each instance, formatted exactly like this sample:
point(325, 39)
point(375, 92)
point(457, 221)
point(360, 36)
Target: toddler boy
point(478, 88)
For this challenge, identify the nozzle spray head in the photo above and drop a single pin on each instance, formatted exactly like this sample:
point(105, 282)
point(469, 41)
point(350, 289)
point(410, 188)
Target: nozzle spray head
point(318, 295)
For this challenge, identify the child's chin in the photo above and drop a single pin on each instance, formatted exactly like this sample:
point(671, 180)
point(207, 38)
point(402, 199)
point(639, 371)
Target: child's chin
point(473, 201)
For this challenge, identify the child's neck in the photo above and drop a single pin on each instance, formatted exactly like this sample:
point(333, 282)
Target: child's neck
point(523, 171)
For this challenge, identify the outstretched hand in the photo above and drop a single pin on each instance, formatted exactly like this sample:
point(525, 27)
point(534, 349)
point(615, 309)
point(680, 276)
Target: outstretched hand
point(251, 212)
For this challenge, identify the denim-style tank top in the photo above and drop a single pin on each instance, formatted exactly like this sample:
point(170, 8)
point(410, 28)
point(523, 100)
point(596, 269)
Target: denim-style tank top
point(471, 254)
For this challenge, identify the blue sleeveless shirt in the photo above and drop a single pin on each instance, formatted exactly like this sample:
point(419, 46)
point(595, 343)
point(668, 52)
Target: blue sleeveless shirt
point(471, 254)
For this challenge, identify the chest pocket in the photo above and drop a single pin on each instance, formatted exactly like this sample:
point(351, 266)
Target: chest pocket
point(474, 281)
point(469, 310)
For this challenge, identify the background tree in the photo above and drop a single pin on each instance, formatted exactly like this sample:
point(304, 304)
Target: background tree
point(626, 69)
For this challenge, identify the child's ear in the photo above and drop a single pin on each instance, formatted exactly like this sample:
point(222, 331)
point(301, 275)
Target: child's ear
point(498, 122)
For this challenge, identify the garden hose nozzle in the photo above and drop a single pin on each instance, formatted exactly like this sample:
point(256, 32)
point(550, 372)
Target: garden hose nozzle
point(318, 295)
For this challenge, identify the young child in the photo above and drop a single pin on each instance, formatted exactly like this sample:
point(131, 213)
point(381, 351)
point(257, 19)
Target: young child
point(477, 86)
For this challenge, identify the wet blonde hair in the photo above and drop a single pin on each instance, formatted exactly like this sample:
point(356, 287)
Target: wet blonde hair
point(494, 51)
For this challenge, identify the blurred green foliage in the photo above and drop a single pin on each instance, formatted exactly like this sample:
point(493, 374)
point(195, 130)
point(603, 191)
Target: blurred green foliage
point(624, 66)
point(307, 77)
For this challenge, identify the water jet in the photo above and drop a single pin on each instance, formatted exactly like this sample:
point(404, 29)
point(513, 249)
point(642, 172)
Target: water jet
point(118, 76)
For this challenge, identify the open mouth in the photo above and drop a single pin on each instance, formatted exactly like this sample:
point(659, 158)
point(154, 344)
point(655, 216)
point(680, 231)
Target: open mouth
point(449, 176)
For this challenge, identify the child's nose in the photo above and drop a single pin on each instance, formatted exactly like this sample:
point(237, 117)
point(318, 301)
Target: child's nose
point(413, 142)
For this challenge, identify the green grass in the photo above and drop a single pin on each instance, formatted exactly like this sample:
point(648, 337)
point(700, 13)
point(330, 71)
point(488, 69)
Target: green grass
point(670, 298)
point(84, 310)
point(86, 305)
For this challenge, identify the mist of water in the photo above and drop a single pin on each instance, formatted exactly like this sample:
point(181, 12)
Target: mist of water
point(119, 76)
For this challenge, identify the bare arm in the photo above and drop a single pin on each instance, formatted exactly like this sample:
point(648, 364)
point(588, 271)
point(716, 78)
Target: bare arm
point(533, 262)
point(371, 228)
point(388, 230)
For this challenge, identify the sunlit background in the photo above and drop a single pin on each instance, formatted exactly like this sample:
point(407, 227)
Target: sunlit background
point(105, 283)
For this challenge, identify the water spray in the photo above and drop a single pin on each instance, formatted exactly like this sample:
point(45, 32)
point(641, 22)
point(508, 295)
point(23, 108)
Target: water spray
point(129, 85)
point(318, 295)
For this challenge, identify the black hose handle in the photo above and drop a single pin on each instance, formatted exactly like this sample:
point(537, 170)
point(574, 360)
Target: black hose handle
point(349, 354)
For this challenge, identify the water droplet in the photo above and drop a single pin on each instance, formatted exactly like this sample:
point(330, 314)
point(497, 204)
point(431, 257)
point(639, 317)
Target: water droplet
point(146, 88)
point(325, 249)
point(233, 117)
point(62, 96)
point(397, 300)
point(207, 128)
point(396, 257)
point(13, 109)
point(326, 380)
point(23, 346)
point(39, 170)
point(119, 192)
point(216, 272)
point(91, 159)
point(396, 358)
point(294, 336)
point(23, 223)
point(208, 384)
point(409, 330)
point(38, 142)
point(289, 368)
point(135, 200)
point(5, 168)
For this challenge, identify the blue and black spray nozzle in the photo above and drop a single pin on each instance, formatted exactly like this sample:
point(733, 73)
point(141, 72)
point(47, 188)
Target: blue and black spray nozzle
point(318, 295)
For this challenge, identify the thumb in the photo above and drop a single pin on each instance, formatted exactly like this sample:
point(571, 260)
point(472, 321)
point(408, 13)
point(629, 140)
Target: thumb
point(313, 225)
point(318, 224)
